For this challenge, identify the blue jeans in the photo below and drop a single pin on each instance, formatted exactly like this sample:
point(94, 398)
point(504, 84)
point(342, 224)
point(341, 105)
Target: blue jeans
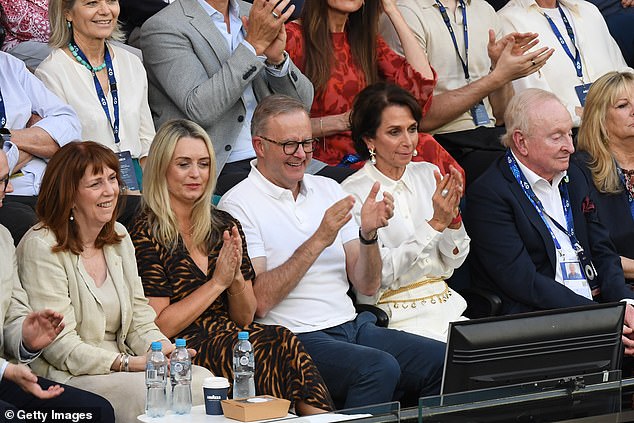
point(367, 364)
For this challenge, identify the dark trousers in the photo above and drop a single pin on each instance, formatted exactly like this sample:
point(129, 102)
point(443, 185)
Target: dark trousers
point(17, 214)
point(72, 400)
point(367, 364)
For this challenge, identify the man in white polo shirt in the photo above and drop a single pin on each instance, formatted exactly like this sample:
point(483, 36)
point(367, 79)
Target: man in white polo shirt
point(305, 247)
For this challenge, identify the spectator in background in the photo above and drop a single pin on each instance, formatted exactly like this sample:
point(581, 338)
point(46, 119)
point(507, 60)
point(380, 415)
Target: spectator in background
point(35, 123)
point(474, 84)
point(23, 333)
point(619, 16)
point(584, 48)
point(337, 46)
point(531, 214)
point(305, 248)
point(134, 13)
point(606, 154)
point(204, 66)
point(106, 84)
point(211, 299)
point(27, 30)
point(425, 239)
point(80, 262)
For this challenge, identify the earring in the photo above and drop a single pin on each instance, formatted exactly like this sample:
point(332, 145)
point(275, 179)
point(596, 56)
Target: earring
point(68, 25)
point(372, 156)
point(71, 218)
point(414, 153)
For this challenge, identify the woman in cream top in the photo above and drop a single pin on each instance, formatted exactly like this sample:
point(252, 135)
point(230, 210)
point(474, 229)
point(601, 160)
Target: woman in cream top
point(425, 240)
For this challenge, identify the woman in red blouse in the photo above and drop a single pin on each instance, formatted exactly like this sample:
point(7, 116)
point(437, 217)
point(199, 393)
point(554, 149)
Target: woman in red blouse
point(336, 45)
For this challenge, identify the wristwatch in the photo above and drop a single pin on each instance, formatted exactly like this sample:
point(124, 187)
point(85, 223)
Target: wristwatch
point(279, 65)
point(368, 241)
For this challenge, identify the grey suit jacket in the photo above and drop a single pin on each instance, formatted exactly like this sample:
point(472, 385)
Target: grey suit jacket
point(13, 300)
point(192, 74)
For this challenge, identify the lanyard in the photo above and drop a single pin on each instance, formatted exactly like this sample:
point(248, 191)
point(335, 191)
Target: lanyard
point(445, 17)
point(3, 113)
point(102, 97)
point(627, 189)
point(565, 202)
point(576, 60)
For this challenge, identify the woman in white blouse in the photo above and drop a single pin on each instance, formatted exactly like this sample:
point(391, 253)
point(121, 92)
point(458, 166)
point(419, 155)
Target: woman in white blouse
point(425, 240)
point(104, 83)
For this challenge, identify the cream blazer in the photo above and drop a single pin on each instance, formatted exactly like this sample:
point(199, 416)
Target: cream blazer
point(13, 300)
point(60, 282)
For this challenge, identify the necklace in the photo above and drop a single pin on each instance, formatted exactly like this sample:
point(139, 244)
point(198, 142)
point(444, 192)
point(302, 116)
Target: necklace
point(76, 54)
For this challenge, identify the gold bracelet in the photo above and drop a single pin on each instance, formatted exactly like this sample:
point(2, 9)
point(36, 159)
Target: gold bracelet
point(120, 362)
point(244, 286)
point(126, 362)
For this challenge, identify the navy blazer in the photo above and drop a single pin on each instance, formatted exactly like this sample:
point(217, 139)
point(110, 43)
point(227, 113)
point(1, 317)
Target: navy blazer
point(512, 251)
point(613, 211)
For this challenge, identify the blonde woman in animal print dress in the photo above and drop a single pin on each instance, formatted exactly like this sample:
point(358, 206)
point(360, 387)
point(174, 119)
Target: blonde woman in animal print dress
point(197, 275)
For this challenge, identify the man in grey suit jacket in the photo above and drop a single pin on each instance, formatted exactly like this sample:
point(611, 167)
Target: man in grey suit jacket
point(22, 334)
point(203, 65)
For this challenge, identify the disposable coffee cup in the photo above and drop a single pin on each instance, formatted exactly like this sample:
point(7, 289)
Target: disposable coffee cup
point(215, 389)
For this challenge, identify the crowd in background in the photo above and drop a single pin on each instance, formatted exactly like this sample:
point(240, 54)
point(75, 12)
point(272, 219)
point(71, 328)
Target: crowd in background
point(192, 168)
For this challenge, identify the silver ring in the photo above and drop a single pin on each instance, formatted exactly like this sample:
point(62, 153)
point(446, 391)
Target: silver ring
point(276, 16)
point(533, 62)
point(444, 193)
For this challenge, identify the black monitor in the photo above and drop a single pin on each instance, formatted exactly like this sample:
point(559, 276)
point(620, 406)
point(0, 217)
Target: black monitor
point(529, 347)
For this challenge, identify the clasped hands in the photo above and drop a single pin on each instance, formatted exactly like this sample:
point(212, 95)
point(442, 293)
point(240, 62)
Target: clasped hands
point(265, 28)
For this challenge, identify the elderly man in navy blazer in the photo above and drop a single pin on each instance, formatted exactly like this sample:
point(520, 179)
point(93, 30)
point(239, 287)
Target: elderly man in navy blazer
point(531, 217)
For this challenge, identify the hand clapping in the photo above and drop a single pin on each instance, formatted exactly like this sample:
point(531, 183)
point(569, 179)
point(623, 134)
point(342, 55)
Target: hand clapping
point(446, 198)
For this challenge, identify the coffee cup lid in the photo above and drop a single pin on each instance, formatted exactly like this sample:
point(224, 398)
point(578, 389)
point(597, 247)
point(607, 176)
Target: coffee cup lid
point(215, 382)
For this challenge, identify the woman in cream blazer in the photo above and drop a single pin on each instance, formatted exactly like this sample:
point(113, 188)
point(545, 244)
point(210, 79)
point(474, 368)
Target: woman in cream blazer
point(80, 262)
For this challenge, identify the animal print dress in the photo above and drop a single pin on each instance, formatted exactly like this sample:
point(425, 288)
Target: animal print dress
point(282, 367)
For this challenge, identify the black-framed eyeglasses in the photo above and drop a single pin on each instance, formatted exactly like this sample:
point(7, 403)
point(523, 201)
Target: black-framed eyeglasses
point(290, 147)
point(4, 183)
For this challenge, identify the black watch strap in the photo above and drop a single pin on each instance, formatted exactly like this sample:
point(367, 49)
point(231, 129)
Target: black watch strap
point(368, 241)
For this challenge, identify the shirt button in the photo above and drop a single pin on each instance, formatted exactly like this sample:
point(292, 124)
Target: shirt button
point(240, 118)
point(227, 147)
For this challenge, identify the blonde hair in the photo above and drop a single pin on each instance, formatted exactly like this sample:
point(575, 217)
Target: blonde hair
point(156, 201)
point(520, 111)
point(593, 133)
point(61, 34)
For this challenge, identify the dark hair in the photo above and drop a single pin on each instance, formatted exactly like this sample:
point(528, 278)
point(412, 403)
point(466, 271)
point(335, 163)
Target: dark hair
point(361, 30)
point(367, 111)
point(59, 189)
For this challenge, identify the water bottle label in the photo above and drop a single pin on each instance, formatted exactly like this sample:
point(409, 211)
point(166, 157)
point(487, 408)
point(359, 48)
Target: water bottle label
point(178, 367)
point(151, 374)
point(244, 360)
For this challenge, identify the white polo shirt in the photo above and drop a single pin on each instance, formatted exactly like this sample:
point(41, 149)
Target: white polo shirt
point(275, 225)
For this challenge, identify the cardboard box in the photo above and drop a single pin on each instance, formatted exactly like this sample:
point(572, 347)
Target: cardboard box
point(261, 407)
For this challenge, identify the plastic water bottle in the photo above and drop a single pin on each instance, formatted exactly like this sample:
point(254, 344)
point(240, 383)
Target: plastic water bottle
point(243, 368)
point(156, 382)
point(181, 371)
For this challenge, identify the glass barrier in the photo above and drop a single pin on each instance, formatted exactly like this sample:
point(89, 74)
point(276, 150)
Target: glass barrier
point(552, 400)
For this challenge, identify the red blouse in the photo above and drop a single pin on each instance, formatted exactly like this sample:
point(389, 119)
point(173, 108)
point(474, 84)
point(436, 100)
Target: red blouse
point(347, 80)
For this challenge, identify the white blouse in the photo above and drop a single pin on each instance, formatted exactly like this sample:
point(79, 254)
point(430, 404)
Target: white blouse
point(74, 84)
point(411, 250)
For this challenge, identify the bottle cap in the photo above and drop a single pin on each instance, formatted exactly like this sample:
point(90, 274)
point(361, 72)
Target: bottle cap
point(180, 342)
point(157, 346)
point(243, 336)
